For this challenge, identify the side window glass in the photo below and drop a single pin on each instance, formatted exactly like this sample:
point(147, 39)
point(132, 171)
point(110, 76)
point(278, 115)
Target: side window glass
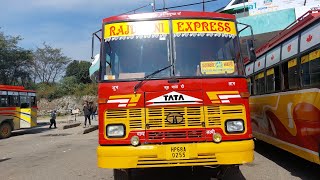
point(3, 101)
point(259, 83)
point(284, 76)
point(270, 80)
point(314, 58)
point(305, 70)
point(293, 75)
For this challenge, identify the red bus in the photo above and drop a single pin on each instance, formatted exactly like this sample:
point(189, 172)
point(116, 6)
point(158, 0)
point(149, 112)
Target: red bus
point(172, 92)
point(18, 109)
point(285, 94)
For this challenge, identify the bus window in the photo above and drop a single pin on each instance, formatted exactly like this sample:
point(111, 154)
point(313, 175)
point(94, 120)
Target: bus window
point(13, 101)
point(305, 70)
point(3, 101)
point(284, 77)
point(314, 58)
point(33, 101)
point(24, 100)
point(270, 80)
point(259, 83)
point(293, 78)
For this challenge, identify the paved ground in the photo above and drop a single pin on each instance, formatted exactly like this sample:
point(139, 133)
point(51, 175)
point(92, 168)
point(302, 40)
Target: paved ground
point(41, 154)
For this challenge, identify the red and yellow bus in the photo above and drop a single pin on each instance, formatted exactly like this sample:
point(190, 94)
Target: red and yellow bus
point(172, 92)
point(285, 94)
point(18, 109)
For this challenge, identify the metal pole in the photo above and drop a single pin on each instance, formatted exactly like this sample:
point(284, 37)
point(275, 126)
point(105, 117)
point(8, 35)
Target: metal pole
point(203, 8)
point(154, 6)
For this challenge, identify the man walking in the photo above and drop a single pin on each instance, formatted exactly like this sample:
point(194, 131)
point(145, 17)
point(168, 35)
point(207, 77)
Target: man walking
point(53, 119)
point(87, 112)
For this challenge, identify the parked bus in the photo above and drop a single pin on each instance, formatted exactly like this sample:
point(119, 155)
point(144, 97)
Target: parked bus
point(18, 109)
point(284, 83)
point(172, 92)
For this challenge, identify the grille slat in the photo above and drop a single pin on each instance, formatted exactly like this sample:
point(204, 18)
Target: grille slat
point(156, 117)
point(135, 117)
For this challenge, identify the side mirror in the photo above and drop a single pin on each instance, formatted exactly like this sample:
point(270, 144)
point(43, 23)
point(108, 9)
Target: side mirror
point(251, 51)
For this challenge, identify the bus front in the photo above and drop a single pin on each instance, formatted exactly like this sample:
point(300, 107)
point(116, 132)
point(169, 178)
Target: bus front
point(172, 92)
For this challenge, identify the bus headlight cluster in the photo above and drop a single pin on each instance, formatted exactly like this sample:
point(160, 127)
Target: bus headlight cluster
point(235, 126)
point(115, 130)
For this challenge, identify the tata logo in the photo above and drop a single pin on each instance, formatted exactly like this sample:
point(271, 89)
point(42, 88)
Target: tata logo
point(175, 97)
point(174, 118)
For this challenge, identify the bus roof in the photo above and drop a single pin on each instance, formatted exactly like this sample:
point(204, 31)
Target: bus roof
point(168, 14)
point(305, 20)
point(14, 88)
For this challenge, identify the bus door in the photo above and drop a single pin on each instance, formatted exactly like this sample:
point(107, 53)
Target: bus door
point(25, 111)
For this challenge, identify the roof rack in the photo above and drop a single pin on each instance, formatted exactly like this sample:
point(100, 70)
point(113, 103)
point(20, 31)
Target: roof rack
point(305, 18)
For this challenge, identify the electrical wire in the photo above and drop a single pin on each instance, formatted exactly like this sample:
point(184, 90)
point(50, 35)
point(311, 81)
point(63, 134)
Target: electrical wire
point(184, 5)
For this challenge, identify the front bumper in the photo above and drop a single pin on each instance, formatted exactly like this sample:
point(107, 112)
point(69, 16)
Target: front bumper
point(200, 154)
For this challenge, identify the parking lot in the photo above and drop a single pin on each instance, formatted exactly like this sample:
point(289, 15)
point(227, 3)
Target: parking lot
point(53, 154)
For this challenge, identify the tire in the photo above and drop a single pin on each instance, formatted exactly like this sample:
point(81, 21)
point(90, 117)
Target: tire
point(5, 130)
point(121, 174)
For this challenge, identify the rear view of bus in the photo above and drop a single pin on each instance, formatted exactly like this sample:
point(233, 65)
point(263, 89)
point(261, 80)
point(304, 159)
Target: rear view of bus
point(18, 109)
point(172, 92)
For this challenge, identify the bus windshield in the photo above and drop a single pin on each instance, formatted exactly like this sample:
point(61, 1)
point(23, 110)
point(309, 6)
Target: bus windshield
point(199, 56)
point(133, 50)
point(136, 58)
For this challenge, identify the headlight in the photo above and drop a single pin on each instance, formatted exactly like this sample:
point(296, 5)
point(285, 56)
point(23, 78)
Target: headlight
point(235, 126)
point(115, 130)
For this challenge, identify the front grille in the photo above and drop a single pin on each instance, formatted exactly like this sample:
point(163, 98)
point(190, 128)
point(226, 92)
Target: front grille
point(156, 117)
point(176, 134)
point(216, 114)
point(201, 160)
point(135, 117)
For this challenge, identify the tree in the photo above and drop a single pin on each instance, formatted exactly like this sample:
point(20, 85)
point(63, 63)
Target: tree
point(80, 70)
point(15, 62)
point(49, 63)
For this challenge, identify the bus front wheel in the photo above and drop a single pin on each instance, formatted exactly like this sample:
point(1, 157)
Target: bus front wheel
point(122, 174)
point(5, 130)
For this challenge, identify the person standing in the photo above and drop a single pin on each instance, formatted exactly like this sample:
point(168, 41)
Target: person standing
point(94, 110)
point(53, 117)
point(87, 113)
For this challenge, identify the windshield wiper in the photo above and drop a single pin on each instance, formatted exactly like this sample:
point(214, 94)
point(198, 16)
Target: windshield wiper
point(137, 86)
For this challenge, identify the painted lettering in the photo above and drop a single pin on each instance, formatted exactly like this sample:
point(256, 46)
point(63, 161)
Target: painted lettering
point(180, 28)
point(196, 26)
point(189, 28)
point(227, 25)
point(205, 26)
point(112, 29)
point(220, 27)
point(212, 28)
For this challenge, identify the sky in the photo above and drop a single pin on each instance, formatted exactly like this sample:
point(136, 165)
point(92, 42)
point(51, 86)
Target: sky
point(69, 24)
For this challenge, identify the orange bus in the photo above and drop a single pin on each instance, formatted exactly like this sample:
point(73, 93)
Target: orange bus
point(285, 94)
point(172, 92)
point(18, 109)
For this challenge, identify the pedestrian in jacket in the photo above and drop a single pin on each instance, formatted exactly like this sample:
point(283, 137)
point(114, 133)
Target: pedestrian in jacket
point(87, 112)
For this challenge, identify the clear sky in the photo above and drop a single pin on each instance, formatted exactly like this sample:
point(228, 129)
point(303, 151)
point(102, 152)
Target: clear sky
point(68, 24)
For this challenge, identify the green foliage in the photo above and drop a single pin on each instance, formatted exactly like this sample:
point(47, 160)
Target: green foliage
point(14, 62)
point(80, 70)
point(49, 63)
point(67, 86)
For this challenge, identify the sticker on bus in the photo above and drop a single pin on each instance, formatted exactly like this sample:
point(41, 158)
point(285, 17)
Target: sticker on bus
point(217, 67)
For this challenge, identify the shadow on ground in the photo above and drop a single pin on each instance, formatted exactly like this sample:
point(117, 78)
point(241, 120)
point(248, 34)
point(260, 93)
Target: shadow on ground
point(185, 173)
point(35, 130)
point(297, 166)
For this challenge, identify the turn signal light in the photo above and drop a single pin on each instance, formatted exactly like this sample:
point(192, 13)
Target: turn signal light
point(217, 137)
point(245, 94)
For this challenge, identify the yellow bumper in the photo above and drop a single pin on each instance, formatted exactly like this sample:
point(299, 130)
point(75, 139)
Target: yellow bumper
point(200, 154)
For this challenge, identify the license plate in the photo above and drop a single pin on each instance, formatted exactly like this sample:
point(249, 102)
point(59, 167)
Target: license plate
point(177, 152)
